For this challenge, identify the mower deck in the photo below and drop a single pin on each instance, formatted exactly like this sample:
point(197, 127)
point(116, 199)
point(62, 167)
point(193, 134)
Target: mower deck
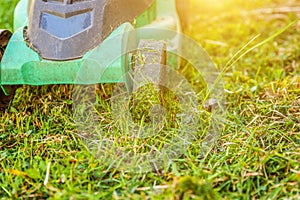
point(107, 63)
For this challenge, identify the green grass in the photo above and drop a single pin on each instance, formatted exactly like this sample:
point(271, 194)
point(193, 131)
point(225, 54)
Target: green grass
point(256, 157)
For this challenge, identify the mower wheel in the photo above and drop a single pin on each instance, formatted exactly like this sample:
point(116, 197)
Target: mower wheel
point(5, 35)
point(143, 102)
point(5, 98)
point(184, 9)
point(149, 63)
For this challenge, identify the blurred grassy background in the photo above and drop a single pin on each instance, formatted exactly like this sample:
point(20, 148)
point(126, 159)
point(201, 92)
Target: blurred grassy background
point(6, 13)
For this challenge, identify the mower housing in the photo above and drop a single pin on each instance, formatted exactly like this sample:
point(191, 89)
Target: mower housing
point(42, 53)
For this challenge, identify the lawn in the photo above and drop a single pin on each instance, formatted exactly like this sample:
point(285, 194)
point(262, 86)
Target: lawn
point(257, 153)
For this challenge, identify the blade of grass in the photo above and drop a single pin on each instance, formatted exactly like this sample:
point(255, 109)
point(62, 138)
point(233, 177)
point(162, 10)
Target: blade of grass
point(242, 49)
point(230, 63)
point(282, 30)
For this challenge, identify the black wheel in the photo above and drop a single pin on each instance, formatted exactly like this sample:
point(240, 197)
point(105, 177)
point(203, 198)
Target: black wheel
point(161, 105)
point(5, 97)
point(149, 75)
point(6, 100)
point(149, 63)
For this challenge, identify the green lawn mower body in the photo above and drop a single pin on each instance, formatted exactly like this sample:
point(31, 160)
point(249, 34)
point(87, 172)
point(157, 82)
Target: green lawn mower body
point(54, 39)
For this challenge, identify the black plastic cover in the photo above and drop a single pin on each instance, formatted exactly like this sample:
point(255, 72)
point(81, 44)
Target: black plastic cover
point(67, 29)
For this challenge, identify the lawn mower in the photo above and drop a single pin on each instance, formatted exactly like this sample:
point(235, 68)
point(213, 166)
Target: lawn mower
point(53, 38)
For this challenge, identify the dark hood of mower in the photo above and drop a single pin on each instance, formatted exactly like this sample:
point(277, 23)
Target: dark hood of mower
point(67, 29)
